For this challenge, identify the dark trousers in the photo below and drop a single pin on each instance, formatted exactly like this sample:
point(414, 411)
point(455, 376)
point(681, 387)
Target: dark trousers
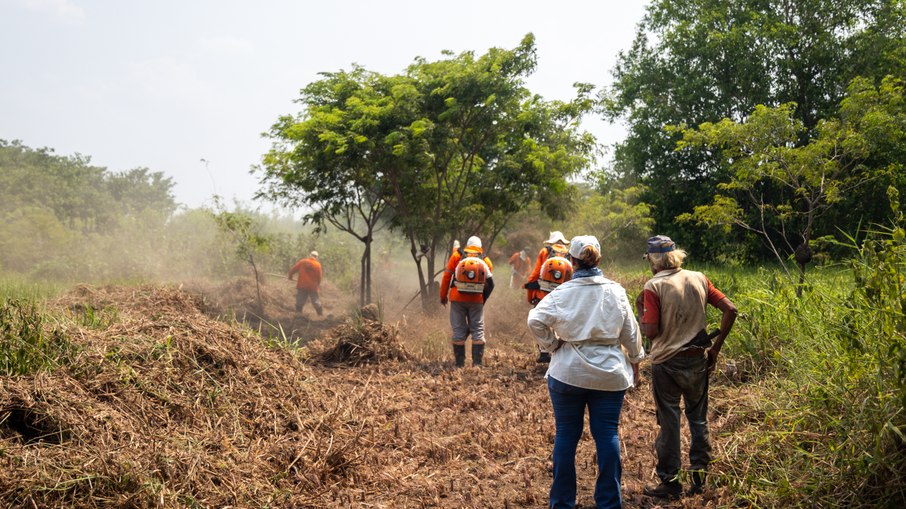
point(686, 378)
point(303, 295)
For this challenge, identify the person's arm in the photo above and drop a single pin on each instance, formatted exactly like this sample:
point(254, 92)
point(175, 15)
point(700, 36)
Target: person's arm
point(448, 276)
point(729, 311)
point(629, 338)
point(488, 288)
point(293, 270)
point(650, 314)
point(532, 284)
point(541, 320)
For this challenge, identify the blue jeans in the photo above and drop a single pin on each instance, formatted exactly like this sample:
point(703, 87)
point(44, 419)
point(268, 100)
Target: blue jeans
point(604, 407)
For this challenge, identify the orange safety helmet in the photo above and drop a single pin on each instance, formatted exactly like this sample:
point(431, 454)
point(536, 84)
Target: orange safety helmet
point(471, 274)
point(555, 272)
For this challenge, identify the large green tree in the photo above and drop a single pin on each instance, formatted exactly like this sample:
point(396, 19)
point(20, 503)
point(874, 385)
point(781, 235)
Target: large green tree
point(705, 60)
point(452, 147)
point(482, 149)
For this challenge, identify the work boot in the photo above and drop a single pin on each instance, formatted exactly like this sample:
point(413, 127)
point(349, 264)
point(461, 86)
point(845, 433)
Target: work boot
point(459, 354)
point(668, 490)
point(477, 355)
point(543, 357)
point(697, 482)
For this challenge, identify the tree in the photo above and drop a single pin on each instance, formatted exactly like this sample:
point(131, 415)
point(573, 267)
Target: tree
point(331, 159)
point(705, 60)
point(614, 214)
point(450, 148)
point(764, 153)
point(248, 239)
point(480, 148)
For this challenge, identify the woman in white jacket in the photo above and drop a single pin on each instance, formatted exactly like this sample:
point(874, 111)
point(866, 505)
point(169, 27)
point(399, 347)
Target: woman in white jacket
point(583, 323)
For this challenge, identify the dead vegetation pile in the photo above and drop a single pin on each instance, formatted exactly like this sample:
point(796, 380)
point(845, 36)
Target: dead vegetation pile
point(364, 339)
point(164, 406)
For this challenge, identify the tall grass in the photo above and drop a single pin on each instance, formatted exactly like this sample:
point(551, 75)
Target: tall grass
point(829, 427)
point(27, 345)
point(14, 286)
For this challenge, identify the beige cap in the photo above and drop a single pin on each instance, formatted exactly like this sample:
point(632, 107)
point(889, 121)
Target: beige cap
point(556, 238)
point(313, 254)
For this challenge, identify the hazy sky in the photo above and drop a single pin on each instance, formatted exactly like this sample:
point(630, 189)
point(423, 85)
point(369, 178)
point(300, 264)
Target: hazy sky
point(166, 84)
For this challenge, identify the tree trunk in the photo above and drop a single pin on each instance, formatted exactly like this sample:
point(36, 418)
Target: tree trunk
point(257, 284)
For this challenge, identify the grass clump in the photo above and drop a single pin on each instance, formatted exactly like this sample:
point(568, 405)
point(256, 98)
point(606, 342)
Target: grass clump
point(27, 345)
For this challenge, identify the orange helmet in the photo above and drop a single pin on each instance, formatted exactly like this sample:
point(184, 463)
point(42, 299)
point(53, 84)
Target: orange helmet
point(471, 274)
point(555, 272)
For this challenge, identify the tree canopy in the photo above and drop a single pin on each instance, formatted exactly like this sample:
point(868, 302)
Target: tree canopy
point(452, 148)
point(706, 60)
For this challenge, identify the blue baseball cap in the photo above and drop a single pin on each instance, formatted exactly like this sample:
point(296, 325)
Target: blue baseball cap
point(660, 244)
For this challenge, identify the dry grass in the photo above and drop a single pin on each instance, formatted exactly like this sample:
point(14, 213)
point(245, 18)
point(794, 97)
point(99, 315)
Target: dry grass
point(168, 407)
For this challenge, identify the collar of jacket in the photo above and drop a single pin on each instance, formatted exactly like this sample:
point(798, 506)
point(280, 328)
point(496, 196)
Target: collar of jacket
point(594, 271)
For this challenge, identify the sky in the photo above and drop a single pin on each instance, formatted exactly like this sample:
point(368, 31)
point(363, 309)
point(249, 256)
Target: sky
point(187, 87)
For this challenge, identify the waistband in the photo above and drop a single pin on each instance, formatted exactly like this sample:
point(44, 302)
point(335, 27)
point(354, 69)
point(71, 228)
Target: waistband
point(690, 352)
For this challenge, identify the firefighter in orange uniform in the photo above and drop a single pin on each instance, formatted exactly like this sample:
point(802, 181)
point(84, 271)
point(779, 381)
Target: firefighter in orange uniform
point(519, 263)
point(556, 246)
point(308, 283)
point(467, 284)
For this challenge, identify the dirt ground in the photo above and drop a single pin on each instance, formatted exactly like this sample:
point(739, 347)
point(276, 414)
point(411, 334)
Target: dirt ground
point(171, 406)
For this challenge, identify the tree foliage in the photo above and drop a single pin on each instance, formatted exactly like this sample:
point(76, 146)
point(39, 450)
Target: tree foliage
point(49, 202)
point(705, 60)
point(452, 147)
point(789, 185)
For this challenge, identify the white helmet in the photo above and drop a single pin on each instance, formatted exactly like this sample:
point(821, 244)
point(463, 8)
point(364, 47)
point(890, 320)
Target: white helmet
point(473, 242)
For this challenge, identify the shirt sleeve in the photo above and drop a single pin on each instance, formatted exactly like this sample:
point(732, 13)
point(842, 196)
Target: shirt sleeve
point(541, 320)
point(629, 335)
point(714, 295)
point(536, 272)
point(448, 275)
point(652, 304)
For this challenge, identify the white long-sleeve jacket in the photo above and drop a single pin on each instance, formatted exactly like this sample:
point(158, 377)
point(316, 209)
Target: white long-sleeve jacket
point(583, 323)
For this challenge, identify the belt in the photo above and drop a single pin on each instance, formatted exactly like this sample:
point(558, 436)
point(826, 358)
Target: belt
point(690, 352)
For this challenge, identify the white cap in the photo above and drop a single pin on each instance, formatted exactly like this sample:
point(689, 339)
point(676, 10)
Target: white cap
point(473, 242)
point(313, 254)
point(577, 244)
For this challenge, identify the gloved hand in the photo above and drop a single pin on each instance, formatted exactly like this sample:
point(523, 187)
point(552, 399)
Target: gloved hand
point(443, 301)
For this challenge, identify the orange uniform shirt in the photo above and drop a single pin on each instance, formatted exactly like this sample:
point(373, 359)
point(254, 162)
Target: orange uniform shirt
point(309, 271)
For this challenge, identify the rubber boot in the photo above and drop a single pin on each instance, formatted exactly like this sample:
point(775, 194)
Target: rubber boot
point(459, 354)
point(477, 355)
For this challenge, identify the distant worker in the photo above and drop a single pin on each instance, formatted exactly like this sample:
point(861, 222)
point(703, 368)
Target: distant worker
point(308, 283)
point(520, 263)
point(556, 246)
point(467, 284)
point(672, 313)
